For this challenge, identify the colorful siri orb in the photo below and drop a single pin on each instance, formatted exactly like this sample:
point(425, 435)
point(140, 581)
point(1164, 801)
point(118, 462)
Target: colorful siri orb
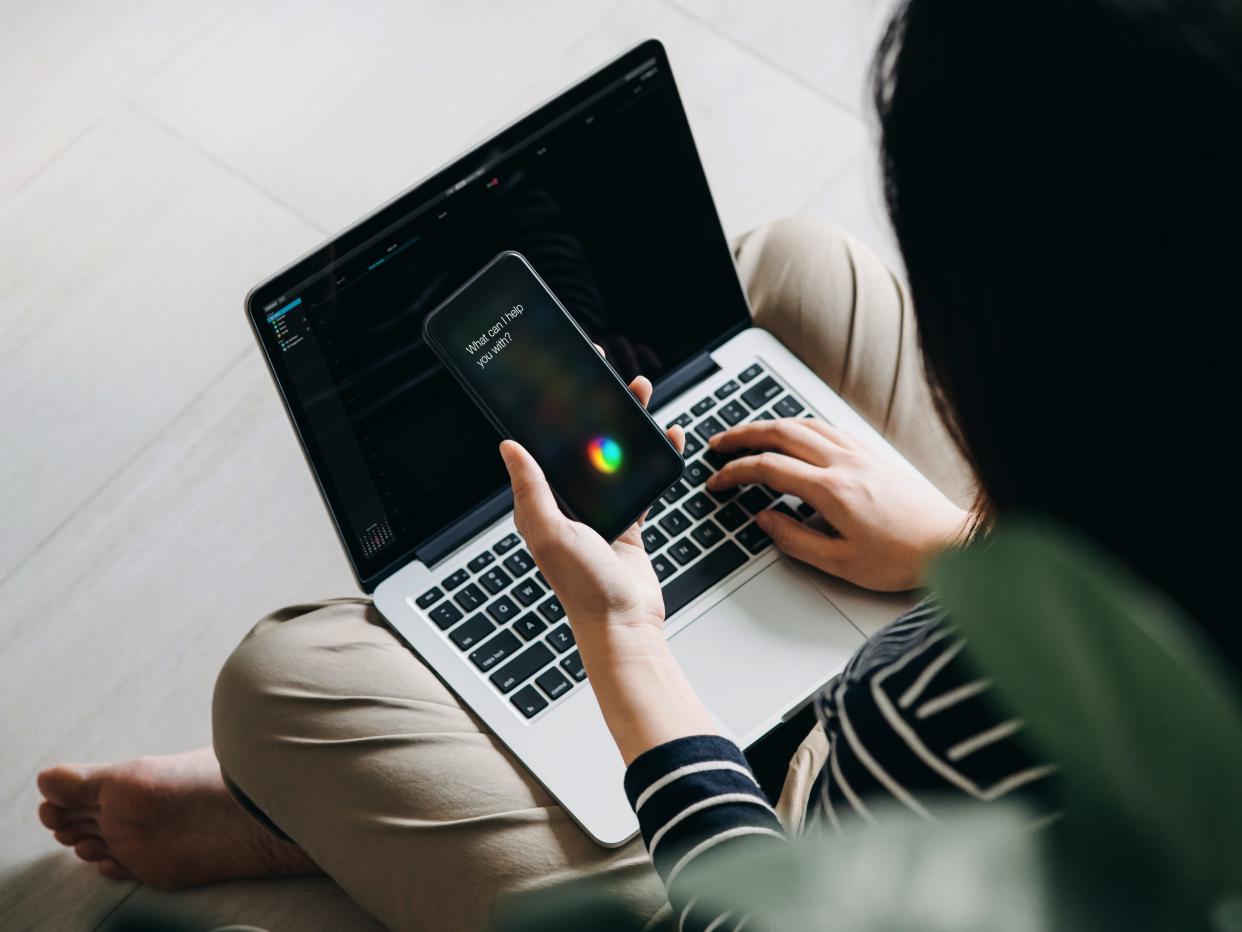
point(605, 454)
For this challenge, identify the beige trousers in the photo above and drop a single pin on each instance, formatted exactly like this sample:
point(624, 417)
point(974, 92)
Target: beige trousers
point(348, 743)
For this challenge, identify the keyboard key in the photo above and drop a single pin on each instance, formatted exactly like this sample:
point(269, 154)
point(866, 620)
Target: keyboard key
point(519, 563)
point(716, 459)
point(696, 473)
point(495, 580)
point(521, 668)
point(429, 598)
point(789, 406)
point(553, 682)
point(503, 609)
point(657, 507)
point(663, 567)
point(539, 576)
point(751, 372)
point(675, 522)
point(561, 639)
point(761, 393)
point(573, 666)
point(702, 407)
point(693, 446)
point(723, 495)
point(752, 538)
point(683, 551)
point(552, 609)
point(677, 491)
point(527, 592)
point(470, 598)
point(708, 428)
point(699, 505)
point(529, 702)
point(724, 391)
point(507, 543)
point(505, 644)
point(452, 582)
point(732, 517)
point(708, 534)
point(472, 632)
point(480, 561)
point(682, 420)
point(530, 626)
point(806, 510)
point(718, 564)
point(445, 615)
point(765, 416)
point(784, 509)
point(653, 540)
point(734, 412)
point(755, 499)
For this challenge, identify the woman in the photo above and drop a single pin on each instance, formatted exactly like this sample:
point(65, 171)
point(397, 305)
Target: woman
point(1059, 175)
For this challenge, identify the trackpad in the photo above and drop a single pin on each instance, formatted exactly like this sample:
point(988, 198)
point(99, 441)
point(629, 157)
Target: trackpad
point(764, 647)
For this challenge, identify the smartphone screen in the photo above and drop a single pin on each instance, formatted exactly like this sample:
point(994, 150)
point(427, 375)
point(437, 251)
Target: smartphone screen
point(534, 372)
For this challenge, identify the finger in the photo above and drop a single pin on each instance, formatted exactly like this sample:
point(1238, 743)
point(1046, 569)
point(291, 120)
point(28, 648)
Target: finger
point(803, 543)
point(786, 435)
point(830, 432)
point(599, 349)
point(641, 389)
point(534, 508)
point(775, 470)
point(677, 437)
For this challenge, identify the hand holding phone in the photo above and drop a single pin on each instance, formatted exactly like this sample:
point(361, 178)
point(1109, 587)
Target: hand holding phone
point(535, 374)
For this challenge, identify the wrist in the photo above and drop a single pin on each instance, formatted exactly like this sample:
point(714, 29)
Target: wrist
point(622, 638)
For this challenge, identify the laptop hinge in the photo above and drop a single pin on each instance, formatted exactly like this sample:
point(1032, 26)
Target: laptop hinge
point(687, 374)
point(460, 531)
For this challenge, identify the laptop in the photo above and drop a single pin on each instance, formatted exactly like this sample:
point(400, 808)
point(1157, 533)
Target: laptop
point(603, 191)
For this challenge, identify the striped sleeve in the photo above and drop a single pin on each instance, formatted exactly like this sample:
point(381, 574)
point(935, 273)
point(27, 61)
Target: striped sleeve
point(696, 799)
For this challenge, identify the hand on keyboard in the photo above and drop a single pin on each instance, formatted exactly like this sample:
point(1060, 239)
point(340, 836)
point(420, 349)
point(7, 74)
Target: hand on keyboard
point(597, 583)
point(886, 524)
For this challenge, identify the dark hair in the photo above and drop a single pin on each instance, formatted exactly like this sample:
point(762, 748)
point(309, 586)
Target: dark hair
point(1065, 181)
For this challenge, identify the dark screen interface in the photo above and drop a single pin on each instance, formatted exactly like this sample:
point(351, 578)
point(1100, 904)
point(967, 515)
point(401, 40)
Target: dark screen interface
point(603, 194)
point(549, 389)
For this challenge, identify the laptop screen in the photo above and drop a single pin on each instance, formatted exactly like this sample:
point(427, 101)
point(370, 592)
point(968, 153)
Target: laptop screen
point(603, 192)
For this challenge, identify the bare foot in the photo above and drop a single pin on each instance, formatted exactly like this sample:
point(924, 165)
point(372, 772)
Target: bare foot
point(166, 821)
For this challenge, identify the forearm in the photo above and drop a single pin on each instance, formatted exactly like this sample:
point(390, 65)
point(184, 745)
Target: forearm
point(643, 693)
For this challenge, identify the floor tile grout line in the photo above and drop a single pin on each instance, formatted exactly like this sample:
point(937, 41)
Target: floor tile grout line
point(159, 68)
point(60, 153)
point(122, 469)
point(763, 58)
point(176, 134)
point(107, 111)
point(112, 911)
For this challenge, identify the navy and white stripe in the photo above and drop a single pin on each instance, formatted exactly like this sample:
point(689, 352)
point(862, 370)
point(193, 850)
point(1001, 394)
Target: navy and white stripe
point(907, 721)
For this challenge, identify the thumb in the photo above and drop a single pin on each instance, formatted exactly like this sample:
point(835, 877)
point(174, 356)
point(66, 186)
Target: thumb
point(534, 508)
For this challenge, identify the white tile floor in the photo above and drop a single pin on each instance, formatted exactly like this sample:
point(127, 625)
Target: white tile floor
point(157, 159)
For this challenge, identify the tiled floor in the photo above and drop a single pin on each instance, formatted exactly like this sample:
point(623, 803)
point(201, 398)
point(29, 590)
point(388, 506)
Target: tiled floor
point(160, 157)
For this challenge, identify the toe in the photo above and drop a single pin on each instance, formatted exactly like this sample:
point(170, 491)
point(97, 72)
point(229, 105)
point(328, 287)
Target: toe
point(74, 832)
point(91, 849)
point(54, 817)
point(71, 786)
point(110, 868)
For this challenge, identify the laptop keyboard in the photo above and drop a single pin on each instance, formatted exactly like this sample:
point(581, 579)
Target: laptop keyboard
point(500, 612)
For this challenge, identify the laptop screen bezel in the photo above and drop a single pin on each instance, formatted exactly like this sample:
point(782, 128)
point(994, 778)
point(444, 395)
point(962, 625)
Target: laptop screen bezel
point(413, 200)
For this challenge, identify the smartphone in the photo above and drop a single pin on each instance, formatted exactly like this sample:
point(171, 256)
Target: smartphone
point(538, 378)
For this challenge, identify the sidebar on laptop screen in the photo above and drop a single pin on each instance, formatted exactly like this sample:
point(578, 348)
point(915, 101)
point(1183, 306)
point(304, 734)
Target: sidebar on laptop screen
point(608, 202)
